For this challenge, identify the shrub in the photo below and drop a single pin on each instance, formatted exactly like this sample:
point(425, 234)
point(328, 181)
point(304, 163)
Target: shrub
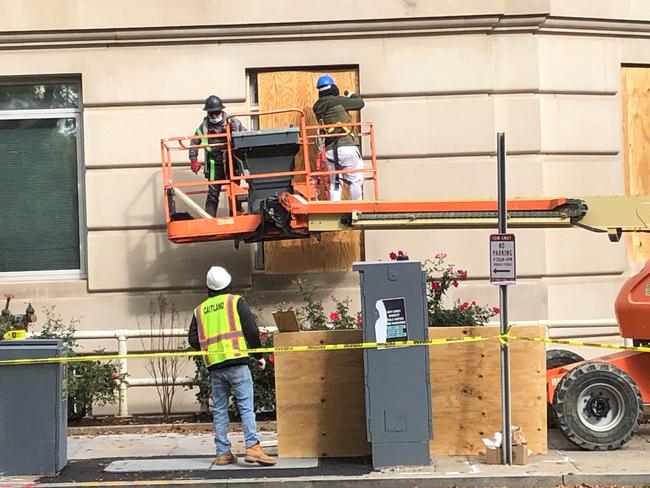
point(440, 278)
point(88, 383)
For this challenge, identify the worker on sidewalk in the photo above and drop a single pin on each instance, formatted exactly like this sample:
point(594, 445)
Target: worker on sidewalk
point(342, 149)
point(224, 326)
point(215, 169)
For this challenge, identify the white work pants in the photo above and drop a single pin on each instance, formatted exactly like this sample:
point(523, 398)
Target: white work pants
point(349, 158)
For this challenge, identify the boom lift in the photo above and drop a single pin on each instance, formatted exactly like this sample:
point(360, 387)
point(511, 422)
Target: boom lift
point(598, 404)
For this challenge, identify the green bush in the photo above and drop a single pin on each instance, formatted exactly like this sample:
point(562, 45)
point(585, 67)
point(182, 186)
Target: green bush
point(87, 383)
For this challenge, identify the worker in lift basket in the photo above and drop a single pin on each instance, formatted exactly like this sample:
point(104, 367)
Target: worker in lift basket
point(224, 326)
point(342, 151)
point(215, 167)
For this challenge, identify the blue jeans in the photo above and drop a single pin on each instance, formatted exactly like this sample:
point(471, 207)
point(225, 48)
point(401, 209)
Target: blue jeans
point(239, 378)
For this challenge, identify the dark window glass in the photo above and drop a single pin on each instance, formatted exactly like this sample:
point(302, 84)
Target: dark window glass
point(39, 217)
point(39, 96)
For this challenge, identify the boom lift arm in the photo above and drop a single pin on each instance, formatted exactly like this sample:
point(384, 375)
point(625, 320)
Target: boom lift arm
point(283, 201)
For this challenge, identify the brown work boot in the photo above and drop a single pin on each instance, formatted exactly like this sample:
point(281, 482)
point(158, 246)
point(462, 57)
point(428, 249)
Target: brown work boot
point(224, 459)
point(254, 454)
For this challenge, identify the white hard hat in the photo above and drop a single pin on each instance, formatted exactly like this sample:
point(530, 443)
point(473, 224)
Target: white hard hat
point(218, 278)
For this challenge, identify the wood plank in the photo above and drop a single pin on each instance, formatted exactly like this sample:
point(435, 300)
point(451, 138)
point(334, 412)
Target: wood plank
point(333, 251)
point(635, 102)
point(320, 395)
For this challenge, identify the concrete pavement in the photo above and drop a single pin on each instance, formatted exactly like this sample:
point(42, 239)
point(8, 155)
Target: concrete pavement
point(177, 459)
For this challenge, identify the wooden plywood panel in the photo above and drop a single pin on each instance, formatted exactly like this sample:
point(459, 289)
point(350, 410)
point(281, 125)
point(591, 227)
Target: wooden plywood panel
point(334, 251)
point(466, 390)
point(320, 399)
point(635, 101)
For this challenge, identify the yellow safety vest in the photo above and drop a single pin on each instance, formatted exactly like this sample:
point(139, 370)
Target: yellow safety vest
point(219, 329)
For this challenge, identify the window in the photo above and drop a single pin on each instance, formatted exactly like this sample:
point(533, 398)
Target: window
point(39, 182)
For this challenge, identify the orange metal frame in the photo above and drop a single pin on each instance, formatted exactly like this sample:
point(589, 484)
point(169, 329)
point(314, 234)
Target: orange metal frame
point(304, 201)
point(239, 226)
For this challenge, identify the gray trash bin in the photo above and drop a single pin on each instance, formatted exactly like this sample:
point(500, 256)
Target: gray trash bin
point(33, 410)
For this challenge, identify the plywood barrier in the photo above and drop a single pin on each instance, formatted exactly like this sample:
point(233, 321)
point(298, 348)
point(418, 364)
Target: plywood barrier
point(321, 402)
point(635, 101)
point(334, 251)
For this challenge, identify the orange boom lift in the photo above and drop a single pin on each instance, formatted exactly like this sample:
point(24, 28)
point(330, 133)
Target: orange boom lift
point(597, 404)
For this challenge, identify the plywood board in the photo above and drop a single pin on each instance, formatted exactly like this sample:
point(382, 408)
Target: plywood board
point(635, 101)
point(320, 400)
point(320, 397)
point(333, 251)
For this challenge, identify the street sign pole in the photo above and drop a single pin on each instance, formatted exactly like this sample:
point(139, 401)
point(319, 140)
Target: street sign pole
point(503, 302)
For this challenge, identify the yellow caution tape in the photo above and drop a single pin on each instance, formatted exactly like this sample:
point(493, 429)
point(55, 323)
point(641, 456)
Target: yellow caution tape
point(321, 347)
point(503, 339)
point(582, 344)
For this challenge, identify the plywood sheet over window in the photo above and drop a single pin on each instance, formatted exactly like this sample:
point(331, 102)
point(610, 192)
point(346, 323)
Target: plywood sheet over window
point(635, 100)
point(334, 251)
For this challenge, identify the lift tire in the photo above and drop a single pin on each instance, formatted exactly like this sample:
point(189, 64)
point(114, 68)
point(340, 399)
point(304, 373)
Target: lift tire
point(554, 359)
point(561, 357)
point(598, 406)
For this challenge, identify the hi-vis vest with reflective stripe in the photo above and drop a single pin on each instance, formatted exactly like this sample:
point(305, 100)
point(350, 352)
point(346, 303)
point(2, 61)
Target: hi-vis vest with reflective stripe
point(219, 329)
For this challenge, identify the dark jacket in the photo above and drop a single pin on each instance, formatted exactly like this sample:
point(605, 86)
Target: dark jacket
point(214, 153)
point(333, 109)
point(249, 328)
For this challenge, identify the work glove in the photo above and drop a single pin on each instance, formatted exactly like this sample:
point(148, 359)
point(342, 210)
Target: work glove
point(195, 166)
point(261, 364)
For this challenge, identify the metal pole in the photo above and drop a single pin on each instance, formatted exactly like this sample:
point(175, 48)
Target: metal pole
point(503, 302)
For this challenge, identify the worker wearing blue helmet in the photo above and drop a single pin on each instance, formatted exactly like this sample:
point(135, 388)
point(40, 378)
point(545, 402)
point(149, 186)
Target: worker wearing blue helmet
point(342, 147)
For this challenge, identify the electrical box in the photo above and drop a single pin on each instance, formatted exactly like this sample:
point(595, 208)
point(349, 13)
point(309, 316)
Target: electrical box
point(33, 410)
point(398, 390)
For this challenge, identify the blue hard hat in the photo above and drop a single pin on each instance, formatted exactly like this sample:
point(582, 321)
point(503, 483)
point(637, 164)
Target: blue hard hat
point(324, 80)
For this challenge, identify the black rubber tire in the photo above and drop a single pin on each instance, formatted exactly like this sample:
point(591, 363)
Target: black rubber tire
point(554, 359)
point(561, 357)
point(565, 404)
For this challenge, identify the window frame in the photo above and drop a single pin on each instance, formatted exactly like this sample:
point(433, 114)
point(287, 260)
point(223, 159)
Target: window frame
point(58, 113)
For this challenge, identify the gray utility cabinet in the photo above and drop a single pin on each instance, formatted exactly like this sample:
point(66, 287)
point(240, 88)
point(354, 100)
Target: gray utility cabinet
point(397, 386)
point(33, 410)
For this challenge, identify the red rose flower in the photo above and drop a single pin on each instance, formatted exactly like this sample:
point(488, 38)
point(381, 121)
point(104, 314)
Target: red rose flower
point(455, 283)
point(272, 359)
point(334, 316)
point(393, 256)
point(496, 310)
point(435, 285)
point(264, 336)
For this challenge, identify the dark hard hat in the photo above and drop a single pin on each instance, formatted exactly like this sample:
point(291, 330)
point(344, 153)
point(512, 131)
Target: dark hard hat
point(213, 104)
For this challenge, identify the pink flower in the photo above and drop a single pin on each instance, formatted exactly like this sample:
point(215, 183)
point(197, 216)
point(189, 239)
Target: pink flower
point(335, 316)
point(293, 281)
point(441, 255)
point(455, 283)
point(117, 375)
point(435, 285)
point(319, 307)
point(264, 336)
point(392, 256)
point(462, 274)
point(473, 302)
point(496, 310)
point(272, 359)
point(359, 320)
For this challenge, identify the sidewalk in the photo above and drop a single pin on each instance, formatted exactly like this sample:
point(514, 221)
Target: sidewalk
point(181, 460)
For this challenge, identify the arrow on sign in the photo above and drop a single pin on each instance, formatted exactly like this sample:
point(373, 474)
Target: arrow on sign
point(495, 270)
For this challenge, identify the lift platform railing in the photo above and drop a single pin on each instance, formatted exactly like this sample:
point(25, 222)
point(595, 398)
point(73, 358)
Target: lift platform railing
point(304, 180)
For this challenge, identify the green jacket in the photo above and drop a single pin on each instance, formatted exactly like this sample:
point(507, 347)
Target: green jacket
point(333, 110)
